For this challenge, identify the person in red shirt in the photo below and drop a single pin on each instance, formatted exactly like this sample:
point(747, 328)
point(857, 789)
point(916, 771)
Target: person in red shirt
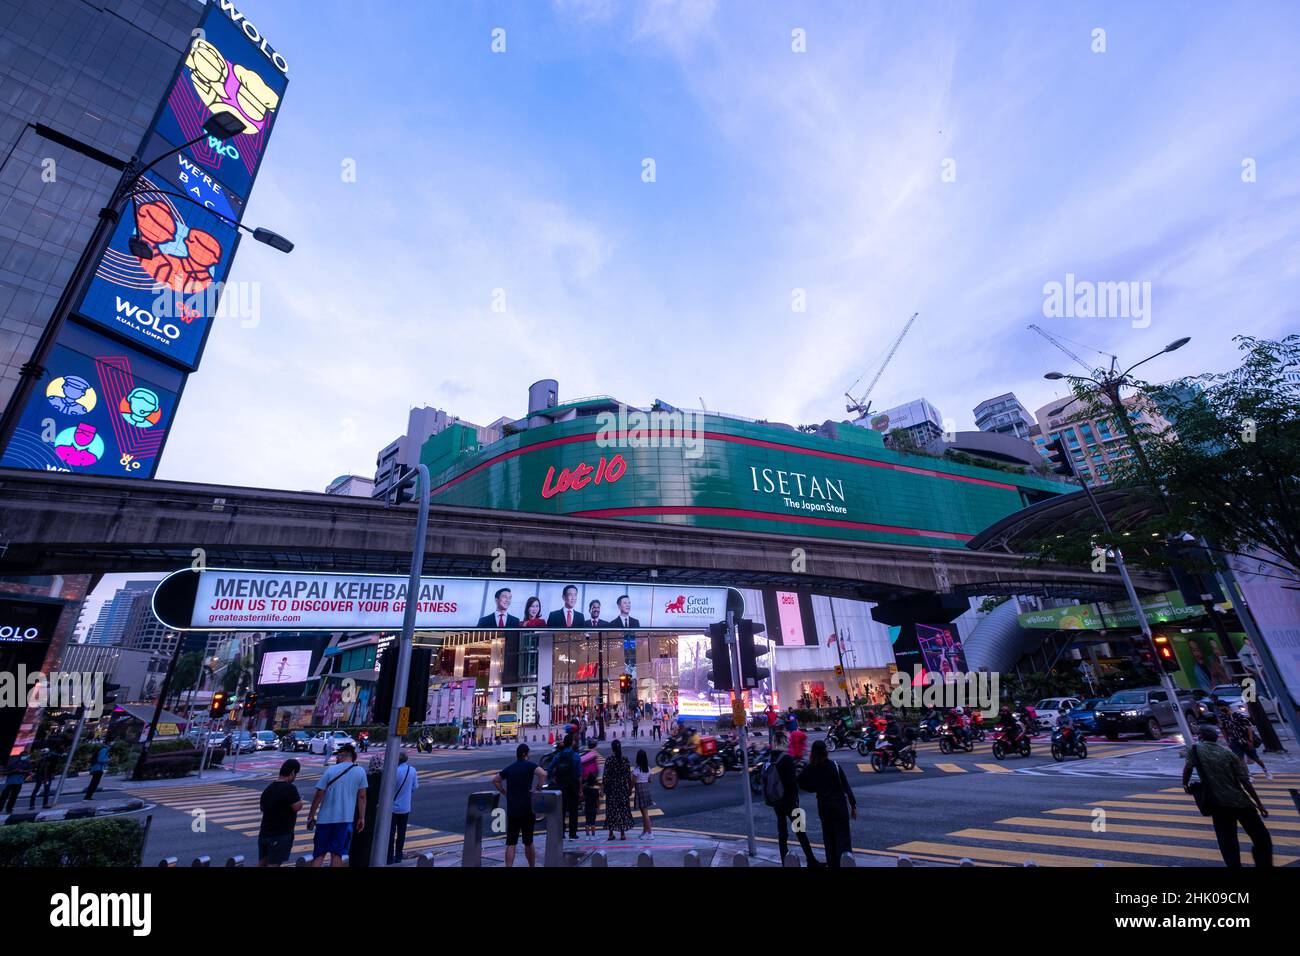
point(798, 744)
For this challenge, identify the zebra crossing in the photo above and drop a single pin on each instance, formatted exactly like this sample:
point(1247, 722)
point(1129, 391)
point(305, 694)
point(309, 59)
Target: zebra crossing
point(1160, 827)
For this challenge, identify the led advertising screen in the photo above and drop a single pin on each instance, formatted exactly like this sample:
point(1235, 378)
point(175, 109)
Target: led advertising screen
point(941, 648)
point(224, 73)
point(285, 667)
point(100, 409)
point(789, 618)
point(159, 281)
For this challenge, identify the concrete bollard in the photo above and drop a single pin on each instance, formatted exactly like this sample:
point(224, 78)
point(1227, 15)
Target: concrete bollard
point(848, 859)
point(303, 861)
point(481, 805)
point(425, 859)
point(966, 861)
point(905, 860)
point(204, 860)
point(167, 861)
point(237, 860)
point(645, 858)
point(1030, 863)
point(692, 858)
point(599, 859)
point(740, 859)
point(792, 861)
point(547, 803)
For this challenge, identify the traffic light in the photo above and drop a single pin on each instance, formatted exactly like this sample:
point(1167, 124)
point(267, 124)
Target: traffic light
point(624, 683)
point(546, 695)
point(751, 674)
point(218, 703)
point(1165, 653)
point(250, 701)
point(719, 654)
point(1060, 458)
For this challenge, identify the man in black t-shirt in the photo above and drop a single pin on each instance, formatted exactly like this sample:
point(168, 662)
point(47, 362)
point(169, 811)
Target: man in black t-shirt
point(280, 805)
point(517, 782)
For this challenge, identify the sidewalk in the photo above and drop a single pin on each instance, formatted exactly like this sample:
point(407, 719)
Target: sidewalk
point(1168, 761)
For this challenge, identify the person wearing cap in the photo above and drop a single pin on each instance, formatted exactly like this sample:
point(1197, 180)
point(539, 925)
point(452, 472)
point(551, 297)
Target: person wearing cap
point(338, 808)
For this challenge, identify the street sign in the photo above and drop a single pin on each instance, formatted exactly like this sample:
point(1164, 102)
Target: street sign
point(839, 672)
point(843, 684)
point(403, 718)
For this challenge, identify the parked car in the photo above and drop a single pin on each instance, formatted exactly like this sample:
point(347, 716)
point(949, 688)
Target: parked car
point(218, 740)
point(1050, 709)
point(267, 740)
point(1084, 716)
point(1144, 710)
point(295, 740)
point(243, 741)
point(507, 724)
point(328, 741)
point(1230, 694)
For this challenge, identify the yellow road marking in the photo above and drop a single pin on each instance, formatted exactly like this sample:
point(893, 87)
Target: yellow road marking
point(1100, 843)
point(1205, 833)
point(994, 768)
point(1161, 817)
point(953, 852)
point(950, 768)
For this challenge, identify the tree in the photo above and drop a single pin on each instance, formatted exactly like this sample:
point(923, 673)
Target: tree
point(1227, 468)
point(186, 674)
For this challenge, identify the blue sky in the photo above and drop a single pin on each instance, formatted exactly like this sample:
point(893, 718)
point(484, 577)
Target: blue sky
point(774, 171)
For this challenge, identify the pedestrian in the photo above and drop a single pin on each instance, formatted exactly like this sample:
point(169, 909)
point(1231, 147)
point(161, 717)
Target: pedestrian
point(591, 799)
point(582, 729)
point(1227, 797)
point(338, 808)
point(770, 713)
point(97, 767)
point(518, 782)
point(617, 784)
point(590, 763)
point(797, 745)
point(645, 799)
point(17, 767)
point(657, 726)
point(407, 783)
point(565, 770)
point(280, 804)
point(1242, 739)
point(835, 801)
point(781, 792)
point(636, 721)
point(43, 777)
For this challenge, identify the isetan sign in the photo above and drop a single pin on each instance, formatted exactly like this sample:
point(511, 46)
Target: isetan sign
point(234, 600)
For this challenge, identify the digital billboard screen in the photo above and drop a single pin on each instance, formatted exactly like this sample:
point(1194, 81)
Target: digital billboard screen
point(159, 281)
point(789, 618)
point(224, 73)
point(285, 667)
point(99, 409)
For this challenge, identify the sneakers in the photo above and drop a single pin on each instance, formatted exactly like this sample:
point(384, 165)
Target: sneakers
point(647, 836)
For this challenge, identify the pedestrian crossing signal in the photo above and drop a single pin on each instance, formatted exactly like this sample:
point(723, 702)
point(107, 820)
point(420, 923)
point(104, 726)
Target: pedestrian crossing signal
point(1165, 654)
point(218, 703)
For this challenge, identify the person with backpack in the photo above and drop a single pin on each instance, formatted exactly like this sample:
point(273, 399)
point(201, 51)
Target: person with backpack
point(835, 801)
point(781, 793)
point(565, 770)
point(97, 767)
point(1225, 794)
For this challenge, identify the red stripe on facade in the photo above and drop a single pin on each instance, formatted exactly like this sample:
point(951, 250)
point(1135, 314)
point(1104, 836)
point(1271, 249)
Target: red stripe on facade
point(721, 436)
point(764, 516)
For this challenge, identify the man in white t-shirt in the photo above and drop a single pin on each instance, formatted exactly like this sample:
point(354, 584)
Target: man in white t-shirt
point(338, 809)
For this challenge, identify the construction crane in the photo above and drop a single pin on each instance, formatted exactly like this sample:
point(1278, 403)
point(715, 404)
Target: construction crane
point(861, 405)
point(1057, 342)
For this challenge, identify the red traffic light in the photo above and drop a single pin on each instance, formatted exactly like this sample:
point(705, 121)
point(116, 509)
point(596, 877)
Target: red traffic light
point(1165, 653)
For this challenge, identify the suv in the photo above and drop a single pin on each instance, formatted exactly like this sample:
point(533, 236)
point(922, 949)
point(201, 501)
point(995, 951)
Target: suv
point(267, 740)
point(294, 741)
point(1145, 710)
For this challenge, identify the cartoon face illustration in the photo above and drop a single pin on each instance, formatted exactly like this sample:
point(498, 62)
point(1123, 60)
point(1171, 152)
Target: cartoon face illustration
point(235, 90)
point(71, 394)
point(155, 223)
point(79, 445)
point(142, 408)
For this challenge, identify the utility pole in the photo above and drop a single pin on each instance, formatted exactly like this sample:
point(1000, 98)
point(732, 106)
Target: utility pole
point(738, 689)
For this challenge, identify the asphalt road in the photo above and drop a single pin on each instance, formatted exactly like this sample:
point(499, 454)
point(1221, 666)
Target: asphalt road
point(963, 805)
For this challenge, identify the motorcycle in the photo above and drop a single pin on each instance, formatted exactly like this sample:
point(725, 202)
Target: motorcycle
point(929, 729)
point(1004, 746)
point(730, 753)
point(673, 746)
point(837, 738)
point(884, 756)
point(867, 742)
point(691, 766)
point(951, 739)
point(425, 744)
point(760, 760)
point(1068, 742)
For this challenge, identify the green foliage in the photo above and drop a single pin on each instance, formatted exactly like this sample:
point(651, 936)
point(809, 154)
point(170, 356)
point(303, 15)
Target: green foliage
point(989, 603)
point(113, 841)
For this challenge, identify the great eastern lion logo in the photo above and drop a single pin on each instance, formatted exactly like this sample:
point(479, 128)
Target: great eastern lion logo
point(676, 607)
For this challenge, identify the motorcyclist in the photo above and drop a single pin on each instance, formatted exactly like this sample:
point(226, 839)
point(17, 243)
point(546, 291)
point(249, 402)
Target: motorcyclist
point(894, 734)
point(1066, 729)
point(959, 723)
point(1010, 726)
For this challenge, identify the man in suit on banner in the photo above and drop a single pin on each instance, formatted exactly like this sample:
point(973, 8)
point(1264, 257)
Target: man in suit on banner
point(569, 616)
point(624, 620)
point(500, 618)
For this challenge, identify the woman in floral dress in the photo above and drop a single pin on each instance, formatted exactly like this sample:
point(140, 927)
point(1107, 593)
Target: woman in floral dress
point(617, 784)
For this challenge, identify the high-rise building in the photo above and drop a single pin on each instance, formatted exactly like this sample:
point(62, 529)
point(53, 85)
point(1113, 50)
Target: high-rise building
point(115, 614)
point(144, 632)
point(1004, 415)
point(1095, 444)
point(351, 486)
point(93, 71)
point(404, 452)
point(920, 424)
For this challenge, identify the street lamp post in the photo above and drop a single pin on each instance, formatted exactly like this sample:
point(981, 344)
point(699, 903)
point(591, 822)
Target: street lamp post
point(220, 126)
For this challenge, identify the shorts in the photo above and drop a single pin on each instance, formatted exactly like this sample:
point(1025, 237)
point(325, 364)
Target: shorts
point(1243, 750)
point(331, 838)
point(275, 849)
point(518, 826)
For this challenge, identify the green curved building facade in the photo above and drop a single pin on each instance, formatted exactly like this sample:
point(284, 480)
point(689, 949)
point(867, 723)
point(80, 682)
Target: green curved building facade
point(727, 473)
